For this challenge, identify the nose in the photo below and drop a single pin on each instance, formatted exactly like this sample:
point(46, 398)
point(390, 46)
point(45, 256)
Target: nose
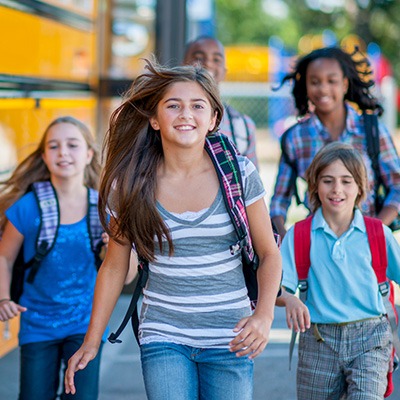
point(186, 113)
point(63, 150)
point(337, 187)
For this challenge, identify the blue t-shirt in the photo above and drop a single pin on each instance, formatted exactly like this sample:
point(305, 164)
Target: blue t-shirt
point(59, 301)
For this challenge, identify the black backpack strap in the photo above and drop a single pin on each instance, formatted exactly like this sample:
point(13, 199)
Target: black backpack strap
point(373, 148)
point(94, 226)
point(46, 198)
point(131, 312)
point(230, 119)
point(292, 164)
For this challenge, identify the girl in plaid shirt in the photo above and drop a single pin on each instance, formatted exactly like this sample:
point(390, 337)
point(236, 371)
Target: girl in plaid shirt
point(325, 81)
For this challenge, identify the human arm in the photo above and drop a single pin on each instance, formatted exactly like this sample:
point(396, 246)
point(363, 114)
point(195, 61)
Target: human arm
point(253, 332)
point(133, 268)
point(133, 261)
point(282, 196)
point(279, 223)
point(10, 244)
point(110, 280)
point(297, 314)
point(389, 167)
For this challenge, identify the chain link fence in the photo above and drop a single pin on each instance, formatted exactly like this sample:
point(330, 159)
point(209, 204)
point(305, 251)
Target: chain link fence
point(271, 110)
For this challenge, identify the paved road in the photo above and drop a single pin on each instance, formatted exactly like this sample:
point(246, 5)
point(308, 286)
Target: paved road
point(121, 377)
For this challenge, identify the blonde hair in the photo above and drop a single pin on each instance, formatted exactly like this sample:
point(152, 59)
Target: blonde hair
point(330, 153)
point(33, 169)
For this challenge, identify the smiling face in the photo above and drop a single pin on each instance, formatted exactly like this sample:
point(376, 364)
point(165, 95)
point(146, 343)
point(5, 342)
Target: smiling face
point(210, 54)
point(326, 85)
point(337, 190)
point(66, 153)
point(184, 115)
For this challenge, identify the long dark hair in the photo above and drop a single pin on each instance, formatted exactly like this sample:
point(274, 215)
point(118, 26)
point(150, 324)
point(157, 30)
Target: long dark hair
point(133, 153)
point(356, 68)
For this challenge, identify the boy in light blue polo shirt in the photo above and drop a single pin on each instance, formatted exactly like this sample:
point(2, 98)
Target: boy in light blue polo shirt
point(348, 347)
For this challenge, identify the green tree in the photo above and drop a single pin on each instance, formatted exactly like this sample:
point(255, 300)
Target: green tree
point(249, 22)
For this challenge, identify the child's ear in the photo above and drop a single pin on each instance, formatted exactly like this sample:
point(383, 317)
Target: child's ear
point(213, 122)
point(346, 86)
point(154, 123)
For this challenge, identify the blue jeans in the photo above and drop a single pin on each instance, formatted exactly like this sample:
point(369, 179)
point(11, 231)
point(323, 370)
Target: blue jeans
point(40, 370)
point(177, 372)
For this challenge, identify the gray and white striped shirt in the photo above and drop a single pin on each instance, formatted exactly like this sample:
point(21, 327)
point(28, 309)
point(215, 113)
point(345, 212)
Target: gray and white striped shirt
point(197, 296)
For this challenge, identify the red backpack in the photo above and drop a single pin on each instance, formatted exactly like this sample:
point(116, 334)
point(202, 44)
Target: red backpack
point(377, 245)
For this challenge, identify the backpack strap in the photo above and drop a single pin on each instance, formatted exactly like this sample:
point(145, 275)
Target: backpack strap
point(223, 156)
point(230, 119)
point(94, 226)
point(377, 244)
point(302, 247)
point(49, 223)
point(131, 312)
point(373, 149)
point(294, 174)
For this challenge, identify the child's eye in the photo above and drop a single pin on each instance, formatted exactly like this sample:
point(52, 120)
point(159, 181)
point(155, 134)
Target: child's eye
point(173, 106)
point(198, 106)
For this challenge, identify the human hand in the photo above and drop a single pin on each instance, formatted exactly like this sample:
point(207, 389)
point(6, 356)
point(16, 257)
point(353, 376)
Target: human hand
point(76, 363)
point(297, 314)
point(253, 336)
point(9, 309)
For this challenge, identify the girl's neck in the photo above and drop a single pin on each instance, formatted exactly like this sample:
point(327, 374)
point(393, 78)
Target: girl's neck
point(69, 187)
point(72, 199)
point(334, 122)
point(338, 223)
point(183, 163)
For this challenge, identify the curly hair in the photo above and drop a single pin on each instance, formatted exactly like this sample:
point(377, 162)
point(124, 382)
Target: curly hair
point(355, 67)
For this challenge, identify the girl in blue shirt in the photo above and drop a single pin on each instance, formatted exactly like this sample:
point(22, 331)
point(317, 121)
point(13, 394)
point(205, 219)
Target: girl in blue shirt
point(346, 340)
point(55, 308)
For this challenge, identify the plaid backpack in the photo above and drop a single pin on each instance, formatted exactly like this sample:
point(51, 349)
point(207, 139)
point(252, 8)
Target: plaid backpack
point(223, 155)
point(46, 198)
point(377, 244)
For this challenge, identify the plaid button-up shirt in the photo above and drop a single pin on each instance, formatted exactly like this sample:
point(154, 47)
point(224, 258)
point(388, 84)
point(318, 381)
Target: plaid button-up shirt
point(309, 135)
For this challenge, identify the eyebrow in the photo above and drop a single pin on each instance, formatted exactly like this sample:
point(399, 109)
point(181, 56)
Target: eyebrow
point(56, 140)
point(200, 52)
point(179, 99)
point(341, 176)
point(329, 75)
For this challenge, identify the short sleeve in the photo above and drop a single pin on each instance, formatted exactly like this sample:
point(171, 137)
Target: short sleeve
point(23, 210)
point(253, 186)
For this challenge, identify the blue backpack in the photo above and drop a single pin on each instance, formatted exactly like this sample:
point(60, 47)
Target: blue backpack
point(47, 201)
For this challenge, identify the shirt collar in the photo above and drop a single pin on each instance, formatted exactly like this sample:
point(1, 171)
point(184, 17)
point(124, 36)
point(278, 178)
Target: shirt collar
point(352, 122)
point(320, 223)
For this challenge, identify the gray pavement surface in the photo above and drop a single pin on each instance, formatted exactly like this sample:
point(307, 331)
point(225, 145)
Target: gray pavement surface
point(121, 377)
